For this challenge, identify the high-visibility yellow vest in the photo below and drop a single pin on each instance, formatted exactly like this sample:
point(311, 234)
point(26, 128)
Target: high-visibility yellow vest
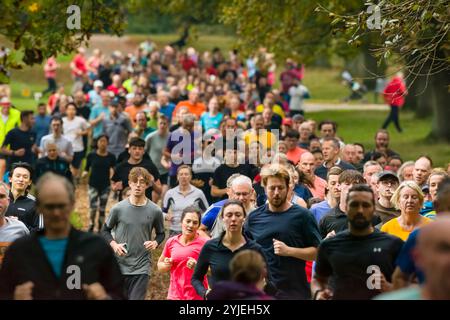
point(12, 122)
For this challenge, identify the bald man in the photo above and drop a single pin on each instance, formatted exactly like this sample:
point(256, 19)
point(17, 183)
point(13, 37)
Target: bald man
point(422, 169)
point(307, 166)
point(432, 255)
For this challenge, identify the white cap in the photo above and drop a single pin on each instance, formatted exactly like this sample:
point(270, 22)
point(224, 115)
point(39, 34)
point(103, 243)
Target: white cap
point(98, 83)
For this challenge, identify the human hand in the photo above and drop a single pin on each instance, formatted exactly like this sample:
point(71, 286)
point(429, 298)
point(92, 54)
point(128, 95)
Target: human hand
point(280, 248)
point(168, 262)
point(191, 263)
point(169, 217)
point(150, 245)
point(20, 152)
point(95, 291)
point(330, 234)
point(119, 249)
point(24, 291)
point(325, 294)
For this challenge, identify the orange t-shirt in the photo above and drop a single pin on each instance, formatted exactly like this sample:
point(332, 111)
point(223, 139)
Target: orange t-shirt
point(319, 187)
point(197, 108)
point(133, 111)
point(294, 155)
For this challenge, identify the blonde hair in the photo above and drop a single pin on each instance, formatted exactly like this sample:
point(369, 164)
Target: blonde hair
point(395, 200)
point(437, 172)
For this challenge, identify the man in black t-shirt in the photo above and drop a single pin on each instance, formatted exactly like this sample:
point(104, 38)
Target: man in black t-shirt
point(357, 263)
point(21, 141)
point(120, 178)
point(226, 170)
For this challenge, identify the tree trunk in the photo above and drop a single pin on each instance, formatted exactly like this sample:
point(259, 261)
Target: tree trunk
point(441, 107)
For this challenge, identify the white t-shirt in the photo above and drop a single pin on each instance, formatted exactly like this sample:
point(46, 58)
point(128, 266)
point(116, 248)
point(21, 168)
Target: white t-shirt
point(297, 96)
point(70, 129)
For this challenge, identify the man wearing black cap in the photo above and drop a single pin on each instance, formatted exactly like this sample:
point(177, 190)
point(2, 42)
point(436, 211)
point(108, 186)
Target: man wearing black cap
point(387, 184)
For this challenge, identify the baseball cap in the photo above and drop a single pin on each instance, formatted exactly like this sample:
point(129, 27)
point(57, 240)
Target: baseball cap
point(387, 174)
point(298, 117)
point(98, 83)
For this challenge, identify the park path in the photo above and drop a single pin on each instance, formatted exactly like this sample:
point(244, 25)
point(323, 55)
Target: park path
point(315, 107)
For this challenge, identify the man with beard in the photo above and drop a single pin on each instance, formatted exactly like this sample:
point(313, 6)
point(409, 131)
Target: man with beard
point(357, 263)
point(287, 233)
point(387, 184)
point(381, 145)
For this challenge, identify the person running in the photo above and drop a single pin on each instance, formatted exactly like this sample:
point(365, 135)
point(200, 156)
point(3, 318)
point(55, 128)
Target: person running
point(306, 166)
point(155, 144)
point(10, 119)
point(409, 199)
point(10, 228)
point(122, 170)
point(50, 68)
point(218, 252)
point(381, 145)
point(422, 170)
point(117, 127)
point(347, 262)
point(178, 198)
point(248, 275)
point(212, 118)
point(331, 152)
point(336, 219)
point(22, 204)
point(394, 95)
point(387, 184)
point(332, 195)
point(287, 233)
point(65, 148)
point(75, 128)
point(180, 255)
point(41, 123)
point(21, 141)
point(407, 270)
point(133, 220)
point(53, 163)
point(432, 258)
point(56, 253)
point(100, 163)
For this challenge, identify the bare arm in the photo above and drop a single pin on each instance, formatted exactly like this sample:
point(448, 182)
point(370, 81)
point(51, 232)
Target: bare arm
point(216, 192)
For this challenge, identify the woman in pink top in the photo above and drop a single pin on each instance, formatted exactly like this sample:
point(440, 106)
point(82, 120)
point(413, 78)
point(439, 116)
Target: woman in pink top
point(180, 256)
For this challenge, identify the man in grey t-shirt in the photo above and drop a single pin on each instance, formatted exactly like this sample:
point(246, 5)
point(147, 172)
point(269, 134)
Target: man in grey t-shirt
point(133, 220)
point(117, 127)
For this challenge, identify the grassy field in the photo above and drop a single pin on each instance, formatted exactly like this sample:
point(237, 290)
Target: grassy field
point(360, 126)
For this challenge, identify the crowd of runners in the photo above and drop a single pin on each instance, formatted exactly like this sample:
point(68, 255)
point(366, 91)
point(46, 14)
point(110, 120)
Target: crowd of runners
point(206, 158)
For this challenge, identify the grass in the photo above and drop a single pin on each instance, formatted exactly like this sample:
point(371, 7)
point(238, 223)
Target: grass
point(360, 126)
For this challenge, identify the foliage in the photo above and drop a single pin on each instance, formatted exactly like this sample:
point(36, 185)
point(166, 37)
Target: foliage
point(417, 30)
point(38, 28)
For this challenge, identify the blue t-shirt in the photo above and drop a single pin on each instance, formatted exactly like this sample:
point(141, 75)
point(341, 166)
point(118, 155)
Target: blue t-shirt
point(320, 209)
point(296, 227)
point(167, 110)
point(209, 122)
point(55, 251)
point(96, 111)
point(211, 213)
point(41, 127)
point(405, 260)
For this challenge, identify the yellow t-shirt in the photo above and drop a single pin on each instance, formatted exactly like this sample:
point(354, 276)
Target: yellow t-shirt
point(276, 109)
point(393, 227)
point(266, 138)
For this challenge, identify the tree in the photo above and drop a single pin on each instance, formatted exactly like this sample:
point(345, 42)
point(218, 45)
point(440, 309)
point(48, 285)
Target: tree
point(40, 29)
point(417, 31)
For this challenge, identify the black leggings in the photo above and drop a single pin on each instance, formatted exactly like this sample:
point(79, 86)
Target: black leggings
point(393, 116)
